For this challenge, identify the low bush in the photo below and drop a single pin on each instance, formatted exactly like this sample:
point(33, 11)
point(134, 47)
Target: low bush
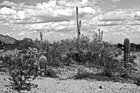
point(22, 71)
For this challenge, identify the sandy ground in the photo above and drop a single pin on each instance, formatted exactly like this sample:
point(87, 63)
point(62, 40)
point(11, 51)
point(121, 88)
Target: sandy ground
point(55, 85)
point(49, 85)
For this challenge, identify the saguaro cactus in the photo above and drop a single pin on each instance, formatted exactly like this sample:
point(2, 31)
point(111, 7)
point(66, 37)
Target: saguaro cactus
point(126, 51)
point(98, 37)
point(101, 38)
point(41, 36)
point(78, 28)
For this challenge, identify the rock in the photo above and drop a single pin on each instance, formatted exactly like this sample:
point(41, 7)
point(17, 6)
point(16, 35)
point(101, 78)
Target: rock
point(100, 87)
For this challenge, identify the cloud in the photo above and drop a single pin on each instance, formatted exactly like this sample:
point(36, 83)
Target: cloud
point(137, 15)
point(81, 3)
point(7, 11)
point(48, 16)
point(114, 16)
point(20, 14)
point(105, 20)
point(22, 33)
point(115, 0)
point(48, 12)
point(61, 2)
point(51, 26)
point(110, 23)
point(87, 10)
point(60, 27)
point(8, 3)
point(64, 12)
point(32, 20)
point(134, 22)
point(52, 8)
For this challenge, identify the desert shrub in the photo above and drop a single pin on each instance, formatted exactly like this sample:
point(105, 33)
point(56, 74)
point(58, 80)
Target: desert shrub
point(90, 52)
point(137, 82)
point(82, 75)
point(6, 56)
point(101, 54)
point(53, 50)
point(132, 58)
point(94, 53)
point(6, 61)
point(65, 51)
point(115, 67)
point(108, 60)
point(22, 71)
point(41, 45)
point(83, 72)
point(25, 43)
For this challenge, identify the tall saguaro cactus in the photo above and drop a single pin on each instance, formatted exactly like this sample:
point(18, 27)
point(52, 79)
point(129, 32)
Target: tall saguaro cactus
point(41, 36)
point(78, 28)
point(126, 51)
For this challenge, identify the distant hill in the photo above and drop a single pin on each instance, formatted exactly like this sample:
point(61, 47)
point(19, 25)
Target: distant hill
point(7, 39)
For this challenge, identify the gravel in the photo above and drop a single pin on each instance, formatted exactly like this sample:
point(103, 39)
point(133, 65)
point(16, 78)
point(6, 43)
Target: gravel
point(55, 85)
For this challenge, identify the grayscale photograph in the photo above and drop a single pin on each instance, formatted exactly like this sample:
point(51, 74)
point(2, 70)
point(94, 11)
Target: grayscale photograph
point(69, 46)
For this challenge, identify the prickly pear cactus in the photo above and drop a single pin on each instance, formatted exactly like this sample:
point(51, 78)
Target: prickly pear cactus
point(126, 51)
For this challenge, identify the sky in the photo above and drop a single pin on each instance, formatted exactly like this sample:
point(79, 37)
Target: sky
point(56, 19)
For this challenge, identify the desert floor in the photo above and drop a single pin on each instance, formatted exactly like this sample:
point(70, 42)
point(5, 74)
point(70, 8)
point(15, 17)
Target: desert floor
point(68, 84)
point(56, 85)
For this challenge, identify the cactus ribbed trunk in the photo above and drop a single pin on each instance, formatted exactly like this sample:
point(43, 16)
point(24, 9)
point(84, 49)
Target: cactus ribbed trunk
point(78, 28)
point(126, 51)
point(41, 36)
point(102, 36)
point(99, 36)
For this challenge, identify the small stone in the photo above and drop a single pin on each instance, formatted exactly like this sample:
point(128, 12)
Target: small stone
point(100, 87)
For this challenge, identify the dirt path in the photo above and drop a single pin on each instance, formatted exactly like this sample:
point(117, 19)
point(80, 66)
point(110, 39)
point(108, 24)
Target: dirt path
point(54, 85)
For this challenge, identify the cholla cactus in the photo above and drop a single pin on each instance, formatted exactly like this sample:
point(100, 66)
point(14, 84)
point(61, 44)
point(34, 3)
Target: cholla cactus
point(41, 36)
point(126, 51)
